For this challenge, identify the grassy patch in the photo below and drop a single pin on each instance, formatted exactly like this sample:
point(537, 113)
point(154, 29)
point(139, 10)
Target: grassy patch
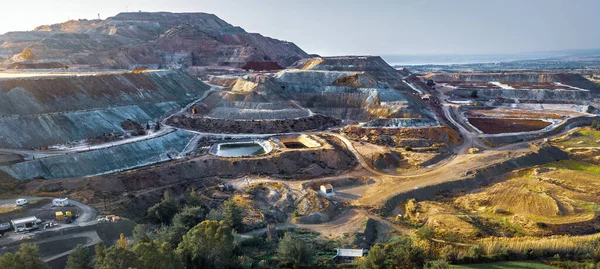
point(573, 165)
point(584, 137)
point(502, 265)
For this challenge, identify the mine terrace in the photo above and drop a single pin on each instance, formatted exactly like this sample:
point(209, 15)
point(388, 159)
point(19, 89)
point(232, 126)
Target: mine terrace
point(200, 108)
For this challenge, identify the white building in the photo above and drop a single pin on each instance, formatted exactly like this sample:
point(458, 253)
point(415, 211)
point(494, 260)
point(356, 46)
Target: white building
point(349, 255)
point(26, 224)
point(327, 189)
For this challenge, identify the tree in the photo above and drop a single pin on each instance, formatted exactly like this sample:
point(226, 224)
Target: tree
point(123, 242)
point(27, 257)
point(232, 215)
point(207, 245)
point(593, 247)
point(475, 252)
point(411, 207)
point(425, 233)
point(172, 234)
point(448, 254)
point(293, 253)
point(80, 258)
point(153, 255)
point(163, 211)
point(375, 259)
point(141, 234)
point(7, 261)
point(437, 264)
point(596, 125)
point(189, 217)
point(99, 254)
point(117, 257)
point(406, 256)
point(191, 198)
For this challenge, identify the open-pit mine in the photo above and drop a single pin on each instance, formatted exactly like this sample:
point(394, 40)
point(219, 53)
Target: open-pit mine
point(140, 110)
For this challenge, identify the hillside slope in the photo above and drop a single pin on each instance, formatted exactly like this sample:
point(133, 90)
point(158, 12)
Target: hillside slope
point(144, 38)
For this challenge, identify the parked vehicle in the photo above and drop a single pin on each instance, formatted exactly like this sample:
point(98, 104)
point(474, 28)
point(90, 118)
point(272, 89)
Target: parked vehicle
point(21, 202)
point(60, 202)
point(4, 227)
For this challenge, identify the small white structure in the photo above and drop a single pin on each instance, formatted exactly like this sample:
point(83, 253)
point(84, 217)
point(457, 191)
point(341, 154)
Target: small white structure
point(327, 190)
point(60, 202)
point(21, 201)
point(349, 255)
point(25, 224)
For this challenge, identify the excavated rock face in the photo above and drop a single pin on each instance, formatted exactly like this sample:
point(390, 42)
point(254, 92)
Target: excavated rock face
point(320, 92)
point(43, 112)
point(569, 79)
point(374, 66)
point(143, 38)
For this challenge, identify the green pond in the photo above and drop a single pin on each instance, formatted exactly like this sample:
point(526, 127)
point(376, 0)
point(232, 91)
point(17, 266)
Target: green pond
point(240, 149)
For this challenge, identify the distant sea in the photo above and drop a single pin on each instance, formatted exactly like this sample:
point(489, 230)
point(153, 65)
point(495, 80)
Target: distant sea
point(411, 60)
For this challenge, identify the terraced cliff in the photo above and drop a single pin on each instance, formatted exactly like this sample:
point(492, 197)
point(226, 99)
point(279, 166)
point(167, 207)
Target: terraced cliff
point(374, 66)
point(48, 111)
point(32, 96)
point(319, 93)
point(103, 161)
point(569, 79)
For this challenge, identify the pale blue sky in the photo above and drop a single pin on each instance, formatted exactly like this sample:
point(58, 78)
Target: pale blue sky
point(335, 27)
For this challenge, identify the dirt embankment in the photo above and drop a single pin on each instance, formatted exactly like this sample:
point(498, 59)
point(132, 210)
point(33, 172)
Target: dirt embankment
point(480, 177)
point(315, 122)
point(295, 164)
point(399, 137)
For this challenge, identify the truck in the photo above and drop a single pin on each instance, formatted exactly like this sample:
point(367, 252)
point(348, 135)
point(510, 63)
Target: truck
point(4, 227)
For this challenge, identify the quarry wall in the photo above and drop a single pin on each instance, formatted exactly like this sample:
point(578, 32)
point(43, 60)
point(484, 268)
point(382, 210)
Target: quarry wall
point(102, 161)
point(62, 94)
point(47, 111)
point(38, 131)
point(535, 95)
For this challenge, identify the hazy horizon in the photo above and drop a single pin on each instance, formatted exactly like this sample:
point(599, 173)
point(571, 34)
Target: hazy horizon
point(336, 27)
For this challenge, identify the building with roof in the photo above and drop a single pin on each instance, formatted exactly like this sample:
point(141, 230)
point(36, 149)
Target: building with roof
point(26, 224)
point(327, 189)
point(344, 255)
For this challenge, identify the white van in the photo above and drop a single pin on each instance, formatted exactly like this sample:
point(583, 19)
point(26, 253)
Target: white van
point(21, 201)
point(60, 202)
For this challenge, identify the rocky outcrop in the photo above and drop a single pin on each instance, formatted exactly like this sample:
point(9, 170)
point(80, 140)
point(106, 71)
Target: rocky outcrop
point(150, 39)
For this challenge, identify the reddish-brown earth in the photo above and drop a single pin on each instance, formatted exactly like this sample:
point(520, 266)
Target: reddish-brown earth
point(499, 126)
